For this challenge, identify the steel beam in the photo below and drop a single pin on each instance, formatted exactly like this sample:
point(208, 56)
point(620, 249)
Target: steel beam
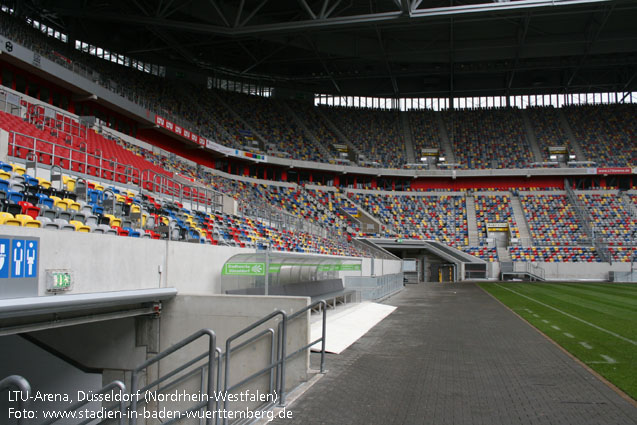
point(337, 22)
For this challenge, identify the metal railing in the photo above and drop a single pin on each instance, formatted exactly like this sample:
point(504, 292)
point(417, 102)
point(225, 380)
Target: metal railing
point(209, 388)
point(278, 364)
point(376, 287)
point(523, 267)
point(63, 156)
point(23, 386)
point(585, 219)
point(198, 196)
point(323, 310)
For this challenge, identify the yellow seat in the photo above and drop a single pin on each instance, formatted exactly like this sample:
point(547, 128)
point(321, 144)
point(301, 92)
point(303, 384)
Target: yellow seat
point(99, 187)
point(62, 203)
point(5, 175)
point(120, 198)
point(19, 169)
point(116, 222)
point(33, 223)
point(79, 226)
point(72, 205)
point(69, 182)
point(23, 219)
point(135, 209)
point(13, 222)
point(4, 216)
point(43, 182)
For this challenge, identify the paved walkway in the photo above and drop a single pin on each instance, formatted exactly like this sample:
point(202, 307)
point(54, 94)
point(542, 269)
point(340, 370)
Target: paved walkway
point(453, 355)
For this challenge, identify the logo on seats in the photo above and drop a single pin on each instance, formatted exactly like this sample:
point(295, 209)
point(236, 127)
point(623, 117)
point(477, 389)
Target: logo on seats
point(257, 268)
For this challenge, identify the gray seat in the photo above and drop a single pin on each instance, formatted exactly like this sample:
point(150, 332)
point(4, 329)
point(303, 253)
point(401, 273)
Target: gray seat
point(65, 215)
point(91, 220)
point(49, 213)
point(80, 216)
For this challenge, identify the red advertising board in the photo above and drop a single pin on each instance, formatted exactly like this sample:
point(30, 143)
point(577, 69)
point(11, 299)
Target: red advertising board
point(169, 125)
point(615, 170)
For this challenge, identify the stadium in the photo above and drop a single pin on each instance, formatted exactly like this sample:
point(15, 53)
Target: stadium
point(318, 212)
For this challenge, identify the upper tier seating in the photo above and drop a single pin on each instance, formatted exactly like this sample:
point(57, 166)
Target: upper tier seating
point(424, 130)
point(548, 130)
point(488, 138)
point(606, 133)
point(491, 138)
point(273, 121)
point(376, 133)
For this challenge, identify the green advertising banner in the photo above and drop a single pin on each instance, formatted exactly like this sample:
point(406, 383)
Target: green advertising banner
point(243, 269)
point(349, 267)
point(258, 269)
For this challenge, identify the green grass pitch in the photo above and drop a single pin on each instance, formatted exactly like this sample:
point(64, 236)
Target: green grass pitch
point(597, 323)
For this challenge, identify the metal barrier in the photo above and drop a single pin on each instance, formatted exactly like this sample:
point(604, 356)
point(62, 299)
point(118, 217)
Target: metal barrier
point(60, 154)
point(323, 310)
point(23, 386)
point(279, 364)
point(104, 390)
point(373, 288)
point(210, 354)
point(522, 267)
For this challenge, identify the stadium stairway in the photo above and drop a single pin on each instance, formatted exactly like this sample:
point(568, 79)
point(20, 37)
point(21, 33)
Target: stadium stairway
point(310, 135)
point(579, 153)
point(472, 225)
point(503, 254)
point(444, 138)
point(239, 118)
point(630, 206)
point(339, 133)
point(408, 137)
point(520, 219)
point(530, 136)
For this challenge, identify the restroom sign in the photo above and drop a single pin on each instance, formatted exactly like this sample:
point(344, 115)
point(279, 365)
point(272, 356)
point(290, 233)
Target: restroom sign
point(24, 258)
point(19, 264)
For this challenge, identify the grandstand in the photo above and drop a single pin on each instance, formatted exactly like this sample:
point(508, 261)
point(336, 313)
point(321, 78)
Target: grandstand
point(235, 173)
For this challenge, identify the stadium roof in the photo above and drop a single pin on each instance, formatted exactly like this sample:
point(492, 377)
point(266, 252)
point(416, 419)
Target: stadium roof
point(389, 48)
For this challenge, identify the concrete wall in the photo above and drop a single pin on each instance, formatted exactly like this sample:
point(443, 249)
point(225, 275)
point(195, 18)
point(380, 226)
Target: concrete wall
point(45, 372)
point(583, 271)
point(226, 315)
point(102, 263)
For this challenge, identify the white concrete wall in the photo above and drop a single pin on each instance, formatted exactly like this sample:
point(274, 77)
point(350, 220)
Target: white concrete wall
point(104, 263)
point(581, 271)
point(226, 315)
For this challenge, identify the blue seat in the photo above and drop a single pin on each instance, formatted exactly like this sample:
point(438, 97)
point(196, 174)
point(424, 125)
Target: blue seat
point(93, 196)
point(45, 200)
point(132, 232)
point(15, 197)
point(31, 181)
point(97, 210)
point(4, 185)
point(6, 167)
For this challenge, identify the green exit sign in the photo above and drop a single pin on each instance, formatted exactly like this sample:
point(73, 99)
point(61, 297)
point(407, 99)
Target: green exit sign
point(58, 280)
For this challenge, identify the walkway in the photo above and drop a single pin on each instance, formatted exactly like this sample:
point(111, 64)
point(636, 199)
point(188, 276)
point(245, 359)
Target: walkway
point(451, 354)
